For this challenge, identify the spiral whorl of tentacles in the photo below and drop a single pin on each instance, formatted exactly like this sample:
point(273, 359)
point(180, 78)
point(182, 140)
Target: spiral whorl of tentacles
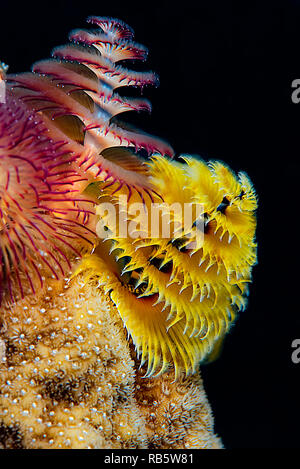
point(176, 298)
point(75, 91)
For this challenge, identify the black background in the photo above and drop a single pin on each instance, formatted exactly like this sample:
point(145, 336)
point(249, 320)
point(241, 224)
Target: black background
point(225, 72)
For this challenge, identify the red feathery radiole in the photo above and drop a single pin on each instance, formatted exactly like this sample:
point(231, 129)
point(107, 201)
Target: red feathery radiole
point(40, 219)
point(75, 92)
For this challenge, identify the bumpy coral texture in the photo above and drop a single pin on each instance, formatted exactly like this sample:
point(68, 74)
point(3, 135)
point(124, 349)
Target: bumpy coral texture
point(68, 379)
point(100, 341)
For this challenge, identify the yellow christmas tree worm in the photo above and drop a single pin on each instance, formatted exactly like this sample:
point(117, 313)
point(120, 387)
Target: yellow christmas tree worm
point(177, 298)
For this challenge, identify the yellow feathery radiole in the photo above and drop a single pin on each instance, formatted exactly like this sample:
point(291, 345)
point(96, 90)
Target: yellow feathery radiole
point(177, 302)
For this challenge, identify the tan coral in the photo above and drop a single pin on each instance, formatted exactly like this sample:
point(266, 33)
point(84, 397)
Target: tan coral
point(177, 413)
point(68, 379)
